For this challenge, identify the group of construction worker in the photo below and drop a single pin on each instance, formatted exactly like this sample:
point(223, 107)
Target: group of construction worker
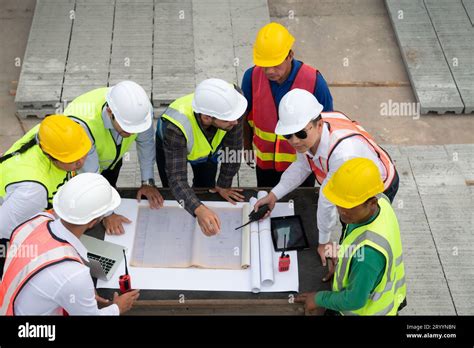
point(59, 180)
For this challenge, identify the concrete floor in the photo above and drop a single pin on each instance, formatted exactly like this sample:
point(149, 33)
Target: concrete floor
point(434, 204)
point(359, 33)
point(350, 41)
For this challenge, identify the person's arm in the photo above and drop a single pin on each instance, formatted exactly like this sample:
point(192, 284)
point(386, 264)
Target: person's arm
point(91, 164)
point(175, 150)
point(364, 275)
point(233, 143)
point(247, 91)
point(322, 93)
point(293, 176)
point(146, 153)
point(77, 295)
point(22, 201)
point(327, 212)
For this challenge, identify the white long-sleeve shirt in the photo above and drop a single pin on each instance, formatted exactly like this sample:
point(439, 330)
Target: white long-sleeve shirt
point(21, 201)
point(65, 285)
point(299, 170)
point(145, 149)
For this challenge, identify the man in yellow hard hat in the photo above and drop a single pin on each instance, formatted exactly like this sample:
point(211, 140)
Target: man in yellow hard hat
point(369, 276)
point(33, 169)
point(274, 74)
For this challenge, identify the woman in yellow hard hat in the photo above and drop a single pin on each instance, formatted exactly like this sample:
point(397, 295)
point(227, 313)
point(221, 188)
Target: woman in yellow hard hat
point(33, 169)
point(369, 277)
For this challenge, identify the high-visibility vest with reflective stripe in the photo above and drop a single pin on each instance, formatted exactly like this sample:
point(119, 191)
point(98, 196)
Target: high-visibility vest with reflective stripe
point(382, 234)
point(88, 108)
point(340, 128)
point(181, 114)
point(32, 249)
point(32, 166)
point(272, 151)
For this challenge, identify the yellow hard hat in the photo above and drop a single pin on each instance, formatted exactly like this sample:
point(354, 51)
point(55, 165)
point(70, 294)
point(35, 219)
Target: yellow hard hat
point(353, 183)
point(63, 139)
point(272, 45)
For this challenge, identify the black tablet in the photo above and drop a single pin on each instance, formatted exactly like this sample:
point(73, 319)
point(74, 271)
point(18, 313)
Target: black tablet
point(292, 228)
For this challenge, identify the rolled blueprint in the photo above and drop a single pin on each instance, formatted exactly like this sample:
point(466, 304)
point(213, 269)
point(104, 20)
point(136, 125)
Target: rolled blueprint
point(254, 252)
point(266, 248)
point(245, 249)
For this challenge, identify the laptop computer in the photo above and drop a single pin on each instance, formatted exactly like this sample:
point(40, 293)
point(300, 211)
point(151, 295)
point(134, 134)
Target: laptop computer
point(104, 257)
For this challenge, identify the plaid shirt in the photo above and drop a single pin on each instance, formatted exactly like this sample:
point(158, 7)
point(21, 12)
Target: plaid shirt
point(176, 153)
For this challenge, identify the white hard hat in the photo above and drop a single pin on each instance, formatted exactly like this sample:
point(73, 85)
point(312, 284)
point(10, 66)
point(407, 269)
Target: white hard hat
point(296, 109)
point(84, 198)
point(131, 106)
point(219, 99)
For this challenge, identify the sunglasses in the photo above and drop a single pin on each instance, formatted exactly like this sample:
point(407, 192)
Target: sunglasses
point(302, 134)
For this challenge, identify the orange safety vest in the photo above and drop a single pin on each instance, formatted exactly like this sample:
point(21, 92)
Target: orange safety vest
point(272, 151)
point(342, 127)
point(32, 249)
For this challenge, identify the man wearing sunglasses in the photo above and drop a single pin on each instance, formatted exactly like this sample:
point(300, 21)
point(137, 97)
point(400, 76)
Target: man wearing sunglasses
point(324, 141)
point(274, 74)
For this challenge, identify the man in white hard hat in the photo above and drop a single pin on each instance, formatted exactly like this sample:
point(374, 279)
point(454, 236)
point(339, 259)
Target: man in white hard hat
point(46, 270)
point(323, 142)
point(193, 129)
point(115, 117)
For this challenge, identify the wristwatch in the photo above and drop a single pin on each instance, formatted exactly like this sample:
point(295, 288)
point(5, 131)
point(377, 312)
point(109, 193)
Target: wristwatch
point(149, 182)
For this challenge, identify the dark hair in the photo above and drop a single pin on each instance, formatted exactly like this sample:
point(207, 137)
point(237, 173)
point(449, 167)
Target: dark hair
point(317, 119)
point(25, 147)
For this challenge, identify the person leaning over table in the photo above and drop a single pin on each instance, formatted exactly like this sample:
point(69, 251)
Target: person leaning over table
point(193, 129)
point(114, 118)
point(55, 279)
point(324, 141)
point(369, 277)
point(35, 166)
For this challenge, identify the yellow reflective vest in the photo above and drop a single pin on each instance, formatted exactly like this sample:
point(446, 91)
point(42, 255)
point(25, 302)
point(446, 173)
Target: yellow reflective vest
point(32, 166)
point(382, 234)
point(181, 114)
point(88, 108)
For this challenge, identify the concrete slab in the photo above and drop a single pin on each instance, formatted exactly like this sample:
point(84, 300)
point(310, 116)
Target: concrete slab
point(390, 114)
point(54, 45)
point(456, 36)
point(89, 58)
point(451, 224)
point(173, 51)
point(429, 73)
point(132, 44)
point(213, 42)
point(348, 49)
point(469, 7)
point(326, 8)
point(425, 276)
point(247, 17)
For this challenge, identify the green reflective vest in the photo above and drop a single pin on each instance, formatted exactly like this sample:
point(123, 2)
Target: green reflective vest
point(382, 234)
point(181, 114)
point(88, 108)
point(32, 166)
